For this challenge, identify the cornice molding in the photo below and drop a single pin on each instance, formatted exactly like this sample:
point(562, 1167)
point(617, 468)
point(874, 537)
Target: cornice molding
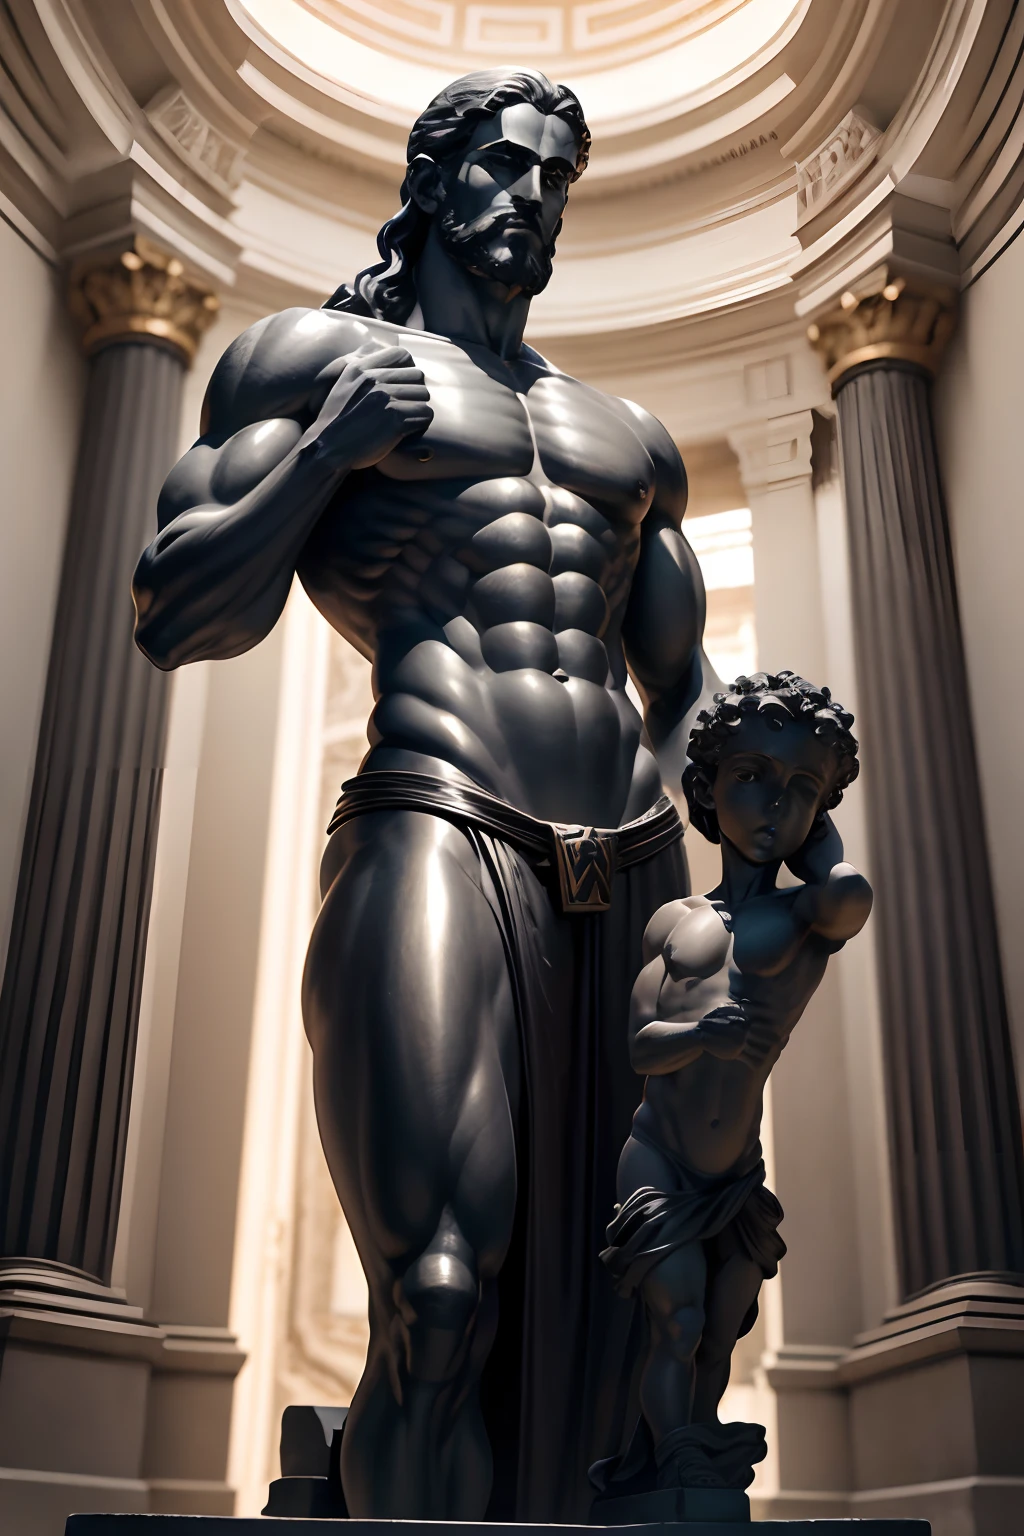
point(278, 191)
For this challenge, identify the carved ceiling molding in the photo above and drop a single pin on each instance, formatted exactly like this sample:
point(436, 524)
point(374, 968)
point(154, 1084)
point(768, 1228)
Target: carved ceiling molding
point(941, 190)
point(182, 126)
point(766, 189)
point(139, 291)
point(845, 153)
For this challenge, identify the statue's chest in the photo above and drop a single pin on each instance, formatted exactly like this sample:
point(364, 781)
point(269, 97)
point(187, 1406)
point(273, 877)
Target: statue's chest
point(489, 424)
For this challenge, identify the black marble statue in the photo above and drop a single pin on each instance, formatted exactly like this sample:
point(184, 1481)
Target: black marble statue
point(726, 978)
point(502, 542)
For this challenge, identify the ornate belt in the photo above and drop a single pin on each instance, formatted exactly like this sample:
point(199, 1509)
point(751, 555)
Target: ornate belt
point(586, 858)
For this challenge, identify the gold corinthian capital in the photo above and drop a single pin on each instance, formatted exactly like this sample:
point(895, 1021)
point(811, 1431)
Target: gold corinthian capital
point(908, 319)
point(139, 291)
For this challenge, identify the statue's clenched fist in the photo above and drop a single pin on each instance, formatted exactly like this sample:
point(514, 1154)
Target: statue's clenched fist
point(367, 404)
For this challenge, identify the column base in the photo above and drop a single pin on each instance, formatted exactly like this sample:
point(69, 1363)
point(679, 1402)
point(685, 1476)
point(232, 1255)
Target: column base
point(920, 1419)
point(188, 1421)
point(40, 1501)
point(101, 1410)
point(75, 1361)
point(936, 1403)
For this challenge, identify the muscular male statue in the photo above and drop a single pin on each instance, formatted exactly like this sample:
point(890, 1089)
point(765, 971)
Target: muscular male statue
point(503, 543)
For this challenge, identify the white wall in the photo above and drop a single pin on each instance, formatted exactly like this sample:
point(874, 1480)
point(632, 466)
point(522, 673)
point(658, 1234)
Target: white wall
point(978, 421)
point(41, 389)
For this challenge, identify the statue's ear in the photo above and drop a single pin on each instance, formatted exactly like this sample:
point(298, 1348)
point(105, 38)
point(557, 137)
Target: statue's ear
point(426, 184)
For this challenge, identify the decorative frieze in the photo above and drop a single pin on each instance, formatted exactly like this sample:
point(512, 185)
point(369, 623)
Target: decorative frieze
point(182, 126)
point(846, 150)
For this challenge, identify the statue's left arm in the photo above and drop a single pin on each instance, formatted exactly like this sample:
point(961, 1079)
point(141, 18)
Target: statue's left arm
point(664, 623)
point(838, 908)
point(835, 901)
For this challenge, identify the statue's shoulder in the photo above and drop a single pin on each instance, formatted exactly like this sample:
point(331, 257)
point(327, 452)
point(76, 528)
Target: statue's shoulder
point(669, 469)
point(665, 921)
point(269, 369)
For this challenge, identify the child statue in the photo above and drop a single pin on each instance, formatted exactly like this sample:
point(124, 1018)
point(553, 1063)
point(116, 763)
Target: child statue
point(726, 977)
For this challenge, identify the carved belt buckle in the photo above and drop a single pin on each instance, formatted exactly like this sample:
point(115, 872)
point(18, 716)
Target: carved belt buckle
point(586, 868)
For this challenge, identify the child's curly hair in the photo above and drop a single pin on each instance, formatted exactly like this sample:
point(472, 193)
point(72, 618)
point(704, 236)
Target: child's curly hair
point(779, 697)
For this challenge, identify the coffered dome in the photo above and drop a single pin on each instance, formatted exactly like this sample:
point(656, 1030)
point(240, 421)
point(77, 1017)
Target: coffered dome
point(623, 57)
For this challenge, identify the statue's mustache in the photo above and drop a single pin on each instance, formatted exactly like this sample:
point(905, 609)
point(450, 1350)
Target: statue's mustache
point(484, 223)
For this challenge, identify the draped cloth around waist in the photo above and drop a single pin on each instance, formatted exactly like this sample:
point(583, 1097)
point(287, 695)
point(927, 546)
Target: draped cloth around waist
point(559, 1386)
point(585, 858)
point(653, 1223)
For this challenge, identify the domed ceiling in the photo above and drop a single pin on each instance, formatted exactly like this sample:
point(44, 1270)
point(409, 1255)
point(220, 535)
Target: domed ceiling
point(623, 57)
point(742, 148)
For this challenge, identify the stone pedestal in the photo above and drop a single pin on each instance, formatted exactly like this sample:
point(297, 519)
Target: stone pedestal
point(176, 1525)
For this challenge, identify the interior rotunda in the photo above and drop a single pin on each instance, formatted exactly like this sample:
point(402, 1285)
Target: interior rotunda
point(780, 193)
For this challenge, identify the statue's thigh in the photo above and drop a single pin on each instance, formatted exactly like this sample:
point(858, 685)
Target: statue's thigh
point(408, 1008)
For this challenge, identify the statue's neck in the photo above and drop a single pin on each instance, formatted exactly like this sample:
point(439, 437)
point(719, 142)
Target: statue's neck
point(456, 302)
point(742, 881)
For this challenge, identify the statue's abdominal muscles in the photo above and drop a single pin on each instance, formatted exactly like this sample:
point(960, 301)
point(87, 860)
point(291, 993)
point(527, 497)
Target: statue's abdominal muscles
point(493, 605)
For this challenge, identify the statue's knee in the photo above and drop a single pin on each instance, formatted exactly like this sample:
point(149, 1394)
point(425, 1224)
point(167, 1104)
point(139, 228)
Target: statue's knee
point(438, 1297)
point(682, 1330)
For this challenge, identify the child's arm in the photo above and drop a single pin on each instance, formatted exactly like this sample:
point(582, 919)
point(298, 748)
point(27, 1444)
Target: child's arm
point(694, 945)
point(838, 907)
point(656, 1047)
point(835, 900)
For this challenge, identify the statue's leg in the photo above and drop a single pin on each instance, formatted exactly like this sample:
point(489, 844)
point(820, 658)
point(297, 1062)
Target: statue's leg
point(408, 1008)
point(673, 1295)
point(734, 1281)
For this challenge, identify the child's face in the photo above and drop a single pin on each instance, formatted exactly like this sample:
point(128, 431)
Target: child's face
point(770, 786)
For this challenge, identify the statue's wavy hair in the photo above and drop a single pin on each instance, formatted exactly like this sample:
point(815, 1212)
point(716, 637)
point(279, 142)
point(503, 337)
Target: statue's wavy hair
point(386, 289)
point(777, 697)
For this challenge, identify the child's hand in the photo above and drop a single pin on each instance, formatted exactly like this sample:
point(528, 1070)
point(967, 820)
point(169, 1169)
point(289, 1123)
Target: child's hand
point(819, 853)
point(723, 1032)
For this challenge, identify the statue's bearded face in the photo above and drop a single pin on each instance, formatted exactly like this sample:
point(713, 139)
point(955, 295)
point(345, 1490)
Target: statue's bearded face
point(503, 205)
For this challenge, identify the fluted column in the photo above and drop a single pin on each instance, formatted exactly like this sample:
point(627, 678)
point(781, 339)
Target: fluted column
point(70, 998)
point(954, 1118)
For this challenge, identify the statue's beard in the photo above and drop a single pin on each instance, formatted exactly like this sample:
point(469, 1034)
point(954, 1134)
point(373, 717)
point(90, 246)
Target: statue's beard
point(506, 256)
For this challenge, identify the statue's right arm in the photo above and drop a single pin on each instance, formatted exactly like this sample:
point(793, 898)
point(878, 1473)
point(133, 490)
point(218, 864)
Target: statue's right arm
point(656, 1047)
point(236, 511)
point(685, 941)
